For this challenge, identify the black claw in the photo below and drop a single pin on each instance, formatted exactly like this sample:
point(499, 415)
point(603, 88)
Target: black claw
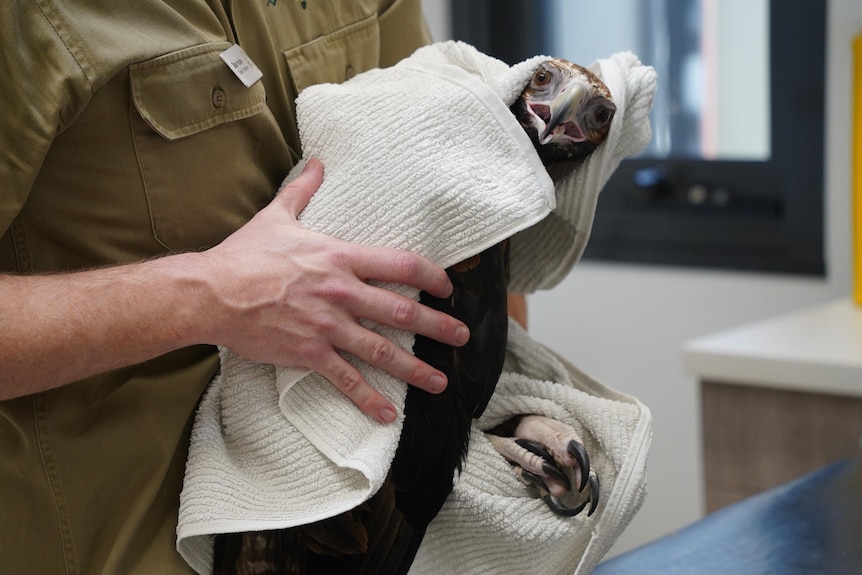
point(549, 466)
point(558, 474)
point(535, 448)
point(536, 481)
point(594, 494)
point(559, 508)
point(579, 452)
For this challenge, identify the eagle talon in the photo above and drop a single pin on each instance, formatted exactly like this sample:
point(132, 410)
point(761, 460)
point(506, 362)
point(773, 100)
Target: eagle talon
point(594, 493)
point(579, 452)
point(549, 465)
point(556, 504)
point(533, 480)
point(545, 454)
point(559, 508)
point(534, 447)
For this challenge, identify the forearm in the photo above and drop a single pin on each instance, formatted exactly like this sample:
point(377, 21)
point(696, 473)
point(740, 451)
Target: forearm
point(55, 329)
point(273, 292)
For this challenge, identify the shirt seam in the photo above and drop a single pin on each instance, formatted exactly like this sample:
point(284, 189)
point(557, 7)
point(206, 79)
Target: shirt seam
point(64, 38)
point(52, 474)
point(18, 233)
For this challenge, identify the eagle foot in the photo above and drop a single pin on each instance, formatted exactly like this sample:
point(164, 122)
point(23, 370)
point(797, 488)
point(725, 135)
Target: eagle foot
point(543, 453)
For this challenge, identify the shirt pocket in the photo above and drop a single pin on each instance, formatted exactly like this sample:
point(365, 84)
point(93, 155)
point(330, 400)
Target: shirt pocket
point(336, 56)
point(198, 132)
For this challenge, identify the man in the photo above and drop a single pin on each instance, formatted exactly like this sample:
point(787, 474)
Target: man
point(138, 230)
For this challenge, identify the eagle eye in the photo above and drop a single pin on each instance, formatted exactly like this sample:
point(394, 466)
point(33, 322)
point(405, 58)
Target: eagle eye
point(541, 78)
point(603, 115)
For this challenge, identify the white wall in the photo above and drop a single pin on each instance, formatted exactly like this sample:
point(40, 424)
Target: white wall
point(626, 324)
point(437, 14)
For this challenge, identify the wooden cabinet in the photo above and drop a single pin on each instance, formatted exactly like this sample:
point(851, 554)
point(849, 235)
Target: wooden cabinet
point(779, 398)
point(755, 438)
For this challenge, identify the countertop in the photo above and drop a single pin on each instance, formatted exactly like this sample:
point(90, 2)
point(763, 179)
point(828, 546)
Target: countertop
point(818, 349)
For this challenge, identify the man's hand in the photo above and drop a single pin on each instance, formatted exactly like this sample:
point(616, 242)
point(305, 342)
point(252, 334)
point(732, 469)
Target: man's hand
point(273, 291)
point(289, 296)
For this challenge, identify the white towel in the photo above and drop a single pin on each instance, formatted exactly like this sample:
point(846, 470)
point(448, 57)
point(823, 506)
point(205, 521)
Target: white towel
point(423, 156)
point(491, 524)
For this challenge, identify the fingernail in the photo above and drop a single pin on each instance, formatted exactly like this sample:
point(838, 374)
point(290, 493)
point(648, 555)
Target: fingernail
point(437, 383)
point(387, 415)
point(462, 335)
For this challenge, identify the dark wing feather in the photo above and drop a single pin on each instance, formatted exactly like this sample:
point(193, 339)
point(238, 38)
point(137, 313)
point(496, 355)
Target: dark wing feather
point(436, 427)
point(295, 551)
point(382, 536)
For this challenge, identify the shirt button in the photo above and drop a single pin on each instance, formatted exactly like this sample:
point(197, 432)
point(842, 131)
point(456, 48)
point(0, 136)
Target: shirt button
point(349, 72)
point(219, 97)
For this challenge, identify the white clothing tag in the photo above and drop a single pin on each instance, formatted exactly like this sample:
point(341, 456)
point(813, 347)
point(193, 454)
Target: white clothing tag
point(241, 65)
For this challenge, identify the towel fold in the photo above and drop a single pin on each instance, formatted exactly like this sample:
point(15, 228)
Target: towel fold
point(423, 156)
point(491, 524)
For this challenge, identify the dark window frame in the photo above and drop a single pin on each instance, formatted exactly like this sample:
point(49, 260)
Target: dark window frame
point(741, 215)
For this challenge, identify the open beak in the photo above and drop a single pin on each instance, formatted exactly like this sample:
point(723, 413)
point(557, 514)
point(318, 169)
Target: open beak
point(564, 115)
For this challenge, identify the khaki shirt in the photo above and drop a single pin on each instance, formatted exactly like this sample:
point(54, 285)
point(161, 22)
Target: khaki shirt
point(125, 136)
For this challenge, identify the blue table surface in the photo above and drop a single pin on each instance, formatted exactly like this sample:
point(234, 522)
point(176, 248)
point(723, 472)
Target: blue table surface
point(810, 526)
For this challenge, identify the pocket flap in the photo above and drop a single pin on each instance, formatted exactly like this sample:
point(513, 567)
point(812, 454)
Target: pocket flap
point(335, 57)
point(190, 90)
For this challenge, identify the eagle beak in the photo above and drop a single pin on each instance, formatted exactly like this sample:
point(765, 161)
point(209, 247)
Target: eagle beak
point(564, 114)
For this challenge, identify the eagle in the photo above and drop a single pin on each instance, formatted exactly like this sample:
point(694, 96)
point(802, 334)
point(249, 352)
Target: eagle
point(566, 111)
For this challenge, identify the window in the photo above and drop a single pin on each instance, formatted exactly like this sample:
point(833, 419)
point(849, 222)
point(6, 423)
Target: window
point(734, 176)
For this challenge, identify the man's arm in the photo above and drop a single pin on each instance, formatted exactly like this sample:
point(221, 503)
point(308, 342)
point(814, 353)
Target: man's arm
point(273, 292)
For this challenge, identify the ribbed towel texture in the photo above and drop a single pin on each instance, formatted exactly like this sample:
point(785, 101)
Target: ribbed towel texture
point(426, 156)
point(491, 524)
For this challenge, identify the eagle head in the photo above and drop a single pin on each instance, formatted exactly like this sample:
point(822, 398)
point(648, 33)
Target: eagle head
point(565, 109)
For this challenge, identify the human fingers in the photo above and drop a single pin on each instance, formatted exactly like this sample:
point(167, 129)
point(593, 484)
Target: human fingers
point(349, 381)
point(394, 310)
point(401, 267)
point(382, 353)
